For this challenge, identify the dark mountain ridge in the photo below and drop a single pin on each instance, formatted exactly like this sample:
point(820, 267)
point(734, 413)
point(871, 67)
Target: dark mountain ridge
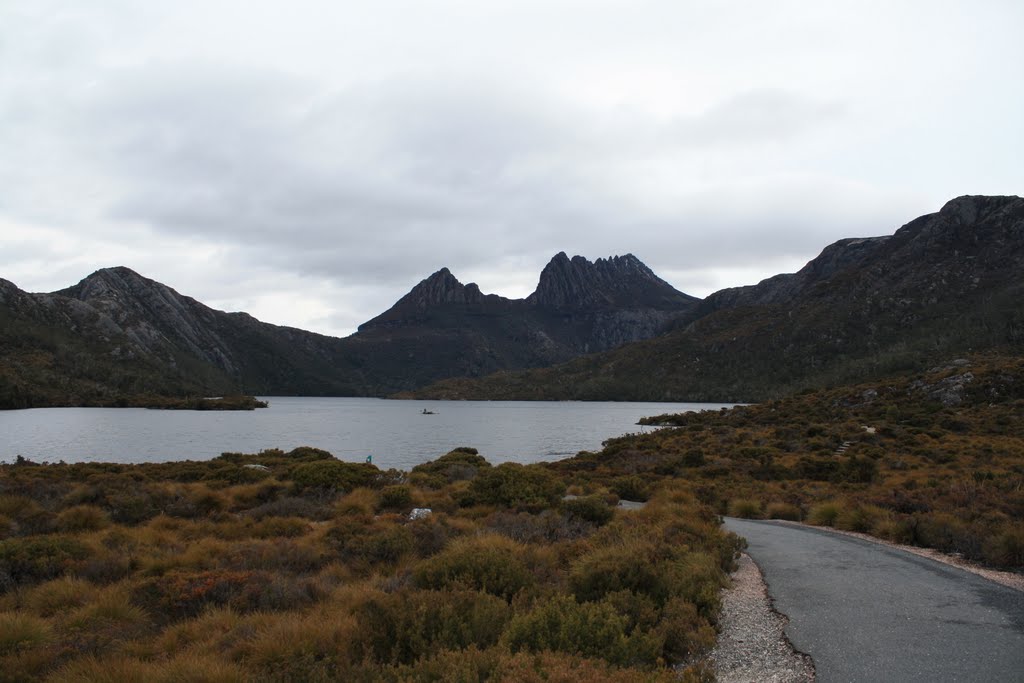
point(149, 338)
point(945, 283)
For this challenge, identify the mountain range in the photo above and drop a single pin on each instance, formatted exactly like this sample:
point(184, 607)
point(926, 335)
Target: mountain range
point(945, 283)
point(117, 334)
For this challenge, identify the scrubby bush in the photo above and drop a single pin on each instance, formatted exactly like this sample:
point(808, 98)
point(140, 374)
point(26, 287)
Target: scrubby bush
point(492, 564)
point(631, 487)
point(332, 476)
point(594, 509)
point(365, 544)
point(400, 628)
point(528, 487)
point(396, 497)
point(29, 560)
point(630, 566)
point(591, 629)
point(548, 526)
point(458, 465)
point(684, 632)
point(181, 595)
point(290, 506)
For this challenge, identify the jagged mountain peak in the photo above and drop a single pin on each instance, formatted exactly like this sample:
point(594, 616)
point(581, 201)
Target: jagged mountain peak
point(438, 289)
point(613, 281)
point(441, 288)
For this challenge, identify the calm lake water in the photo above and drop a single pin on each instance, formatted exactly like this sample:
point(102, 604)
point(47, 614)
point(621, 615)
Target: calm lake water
point(395, 433)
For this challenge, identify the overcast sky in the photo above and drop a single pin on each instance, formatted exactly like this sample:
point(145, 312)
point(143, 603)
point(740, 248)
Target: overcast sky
point(310, 161)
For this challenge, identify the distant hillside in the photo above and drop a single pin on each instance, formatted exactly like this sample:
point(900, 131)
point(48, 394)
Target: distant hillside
point(945, 283)
point(117, 334)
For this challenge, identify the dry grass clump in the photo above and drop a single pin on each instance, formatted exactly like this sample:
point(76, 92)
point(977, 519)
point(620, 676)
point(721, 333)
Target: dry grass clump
point(745, 508)
point(58, 596)
point(786, 511)
point(825, 514)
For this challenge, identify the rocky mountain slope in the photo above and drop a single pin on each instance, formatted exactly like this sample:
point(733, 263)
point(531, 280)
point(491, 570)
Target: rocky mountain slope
point(945, 283)
point(117, 333)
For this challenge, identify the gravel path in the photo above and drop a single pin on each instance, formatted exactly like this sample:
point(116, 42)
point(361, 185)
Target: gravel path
point(751, 646)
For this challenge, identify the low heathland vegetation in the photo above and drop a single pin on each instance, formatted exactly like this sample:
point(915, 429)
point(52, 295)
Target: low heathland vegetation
point(934, 460)
point(299, 567)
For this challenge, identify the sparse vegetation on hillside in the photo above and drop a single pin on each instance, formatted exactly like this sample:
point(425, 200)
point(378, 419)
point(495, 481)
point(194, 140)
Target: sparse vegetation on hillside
point(935, 459)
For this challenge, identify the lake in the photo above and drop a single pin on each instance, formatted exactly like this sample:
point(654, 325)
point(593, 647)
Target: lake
point(395, 433)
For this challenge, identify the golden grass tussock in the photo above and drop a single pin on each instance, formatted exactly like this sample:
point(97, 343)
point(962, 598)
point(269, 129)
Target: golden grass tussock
point(121, 669)
point(360, 501)
point(298, 646)
point(20, 632)
point(59, 596)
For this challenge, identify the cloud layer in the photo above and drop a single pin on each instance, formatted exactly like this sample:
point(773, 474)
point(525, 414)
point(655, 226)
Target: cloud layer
point(310, 165)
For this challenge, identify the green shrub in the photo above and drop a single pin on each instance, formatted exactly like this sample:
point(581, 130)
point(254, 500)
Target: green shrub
point(397, 497)
point(364, 544)
point(744, 508)
point(333, 475)
point(624, 567)
point(593, 509)
point(29, 560)
point(631, 487)
point(684, 631)
point(460, 464)
point(591, 629)
point(510, 484)
point(492, 564)
point(824, 514)
point(401, 628)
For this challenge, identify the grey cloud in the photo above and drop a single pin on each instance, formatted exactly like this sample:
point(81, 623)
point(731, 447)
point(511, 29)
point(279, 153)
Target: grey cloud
point(385, 182)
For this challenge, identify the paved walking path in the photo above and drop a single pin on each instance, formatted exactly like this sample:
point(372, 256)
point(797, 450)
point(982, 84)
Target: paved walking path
point(867, 612)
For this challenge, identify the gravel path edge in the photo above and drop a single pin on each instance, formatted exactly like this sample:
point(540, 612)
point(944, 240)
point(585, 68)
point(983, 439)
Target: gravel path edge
point(752, 647)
